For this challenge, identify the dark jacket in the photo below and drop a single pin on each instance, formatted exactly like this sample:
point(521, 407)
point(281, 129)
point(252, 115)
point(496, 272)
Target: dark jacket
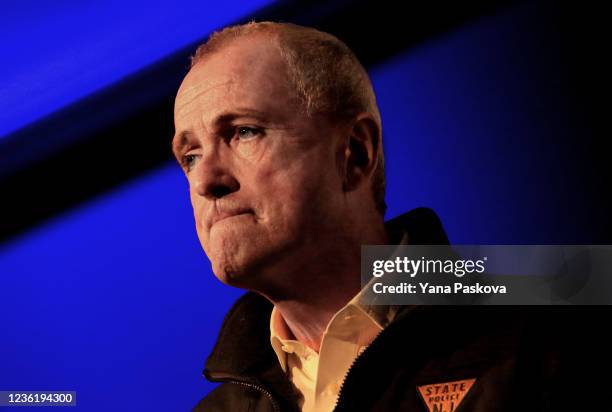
point(523, 358)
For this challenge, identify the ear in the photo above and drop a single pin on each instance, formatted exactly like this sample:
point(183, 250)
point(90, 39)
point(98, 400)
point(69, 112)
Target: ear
point(361, 151)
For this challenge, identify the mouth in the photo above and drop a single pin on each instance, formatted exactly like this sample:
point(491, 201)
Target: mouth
point(227, 215)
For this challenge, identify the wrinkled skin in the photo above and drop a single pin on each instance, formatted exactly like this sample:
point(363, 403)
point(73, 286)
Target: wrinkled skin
point(265, 179)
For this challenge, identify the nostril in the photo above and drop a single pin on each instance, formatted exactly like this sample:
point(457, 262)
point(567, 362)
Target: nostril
point(218, 187)
point(220, 191)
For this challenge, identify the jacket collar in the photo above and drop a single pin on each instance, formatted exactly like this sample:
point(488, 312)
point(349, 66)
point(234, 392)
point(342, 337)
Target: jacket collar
point(243, 346)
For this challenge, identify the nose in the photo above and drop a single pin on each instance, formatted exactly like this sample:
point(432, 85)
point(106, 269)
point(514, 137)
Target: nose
point(212, 177)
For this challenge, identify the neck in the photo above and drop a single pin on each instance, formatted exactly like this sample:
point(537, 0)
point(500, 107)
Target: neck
point(322, 286)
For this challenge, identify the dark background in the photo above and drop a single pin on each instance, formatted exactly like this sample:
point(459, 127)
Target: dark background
point(492, 116)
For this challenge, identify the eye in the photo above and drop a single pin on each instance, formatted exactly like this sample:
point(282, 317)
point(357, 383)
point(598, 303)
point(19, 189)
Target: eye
point(247, 133)
point(188, 161)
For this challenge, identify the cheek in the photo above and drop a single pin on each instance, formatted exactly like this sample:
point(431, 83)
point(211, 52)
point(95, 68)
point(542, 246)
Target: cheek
point(299, 190)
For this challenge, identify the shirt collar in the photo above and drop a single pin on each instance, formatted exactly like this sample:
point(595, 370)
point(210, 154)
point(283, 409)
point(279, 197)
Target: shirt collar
point(377, 316)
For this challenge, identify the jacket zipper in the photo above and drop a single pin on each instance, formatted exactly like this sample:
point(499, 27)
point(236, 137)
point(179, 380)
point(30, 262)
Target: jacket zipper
point(252, 385)
point(351, 367)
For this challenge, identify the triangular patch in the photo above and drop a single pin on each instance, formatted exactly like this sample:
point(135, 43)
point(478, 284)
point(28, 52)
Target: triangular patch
point(445, 397)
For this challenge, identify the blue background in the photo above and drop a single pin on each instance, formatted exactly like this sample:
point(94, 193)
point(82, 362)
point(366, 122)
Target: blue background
point(115, 299)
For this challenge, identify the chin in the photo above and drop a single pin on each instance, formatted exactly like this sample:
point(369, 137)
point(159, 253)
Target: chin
point(244, 257)
point(233, 266)
point(247, 268)
point(227, 275)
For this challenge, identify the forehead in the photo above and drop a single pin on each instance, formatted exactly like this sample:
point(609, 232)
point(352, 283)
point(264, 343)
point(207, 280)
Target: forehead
point(248, 72)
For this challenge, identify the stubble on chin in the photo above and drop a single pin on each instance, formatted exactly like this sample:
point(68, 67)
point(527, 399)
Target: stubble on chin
point(224, 255)
point(243, 262)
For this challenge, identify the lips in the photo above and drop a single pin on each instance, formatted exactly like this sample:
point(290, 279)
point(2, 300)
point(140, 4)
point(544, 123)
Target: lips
point(227, 213)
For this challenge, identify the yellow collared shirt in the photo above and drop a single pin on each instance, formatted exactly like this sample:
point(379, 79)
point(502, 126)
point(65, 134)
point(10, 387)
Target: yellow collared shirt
point(319, 376)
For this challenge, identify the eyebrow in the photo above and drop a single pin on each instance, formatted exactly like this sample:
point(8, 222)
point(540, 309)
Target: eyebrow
point(242, 112)
point(219, 122)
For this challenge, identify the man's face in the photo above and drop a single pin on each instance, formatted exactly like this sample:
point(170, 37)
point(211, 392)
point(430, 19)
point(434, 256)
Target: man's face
point(264, 181)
